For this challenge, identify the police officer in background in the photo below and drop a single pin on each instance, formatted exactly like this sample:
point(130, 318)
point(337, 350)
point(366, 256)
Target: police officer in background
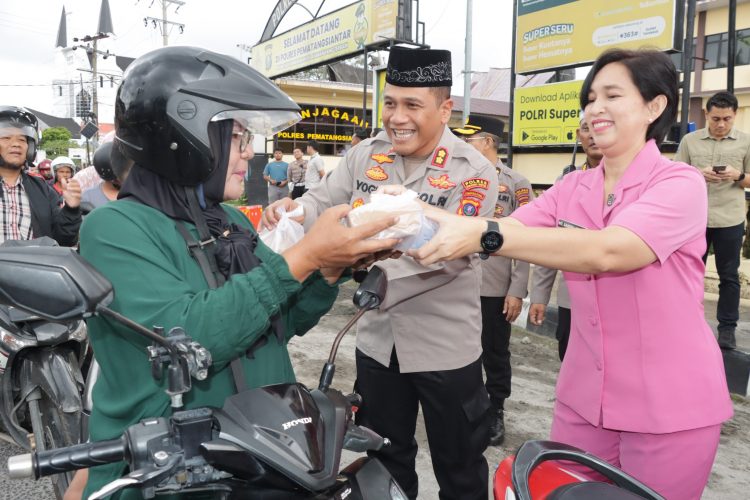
point(423, 347)
point(504, 281)
point(543, 278)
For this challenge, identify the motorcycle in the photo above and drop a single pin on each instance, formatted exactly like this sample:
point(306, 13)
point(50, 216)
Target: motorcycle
point(42, 366)
point(278, 441)
point(531, 474)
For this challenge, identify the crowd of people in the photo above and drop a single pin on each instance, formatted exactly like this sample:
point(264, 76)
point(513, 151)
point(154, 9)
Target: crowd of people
point(642, 381)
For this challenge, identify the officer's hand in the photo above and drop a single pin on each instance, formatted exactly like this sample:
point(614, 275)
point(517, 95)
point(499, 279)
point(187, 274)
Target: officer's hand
point(71, 192)
point(270, 218)
point(710, 176)
point(536, 313)
point(512, 308)
point(392, 189)
point(332, 274)
point(729, 174)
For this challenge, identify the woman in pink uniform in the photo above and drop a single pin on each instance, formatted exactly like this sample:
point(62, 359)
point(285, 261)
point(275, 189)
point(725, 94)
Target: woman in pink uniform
point(643, 383)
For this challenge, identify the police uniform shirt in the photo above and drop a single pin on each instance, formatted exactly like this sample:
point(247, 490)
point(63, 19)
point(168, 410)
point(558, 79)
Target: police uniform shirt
point(502, 276)
point(431, 314)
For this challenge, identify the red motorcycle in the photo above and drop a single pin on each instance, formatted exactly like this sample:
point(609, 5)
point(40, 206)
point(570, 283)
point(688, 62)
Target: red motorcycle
point(531, 475)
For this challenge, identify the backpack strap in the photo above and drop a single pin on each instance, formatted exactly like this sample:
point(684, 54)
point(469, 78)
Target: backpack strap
point(203, 253)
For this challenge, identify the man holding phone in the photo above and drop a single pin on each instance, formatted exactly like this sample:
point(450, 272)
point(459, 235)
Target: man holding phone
point(722, 154)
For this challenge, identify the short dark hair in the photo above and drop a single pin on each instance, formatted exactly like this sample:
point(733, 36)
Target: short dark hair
point(361, 133)
point(653, 73)
point(441, 93)
point(314, 144)
point(722, 100)
point(278, 148)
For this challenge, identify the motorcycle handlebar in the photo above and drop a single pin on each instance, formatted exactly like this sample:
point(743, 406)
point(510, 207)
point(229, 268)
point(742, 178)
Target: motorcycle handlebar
point(80, 456)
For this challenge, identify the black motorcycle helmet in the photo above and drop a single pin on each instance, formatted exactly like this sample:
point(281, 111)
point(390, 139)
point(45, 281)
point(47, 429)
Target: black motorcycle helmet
point(169, 96)
point(26, 122)
point(103, 164)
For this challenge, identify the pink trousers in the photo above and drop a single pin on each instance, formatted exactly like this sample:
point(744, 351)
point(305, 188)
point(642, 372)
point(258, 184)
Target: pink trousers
point(676, 465)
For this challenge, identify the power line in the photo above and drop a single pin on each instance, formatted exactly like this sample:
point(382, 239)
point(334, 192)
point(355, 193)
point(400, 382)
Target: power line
point(165, 24)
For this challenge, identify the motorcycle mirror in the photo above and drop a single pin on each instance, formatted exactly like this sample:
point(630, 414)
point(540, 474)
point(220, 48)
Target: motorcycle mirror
point(54, 283)
point(372, 290)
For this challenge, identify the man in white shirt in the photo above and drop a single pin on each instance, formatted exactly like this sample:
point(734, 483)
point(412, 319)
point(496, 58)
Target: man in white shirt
point(315, 166)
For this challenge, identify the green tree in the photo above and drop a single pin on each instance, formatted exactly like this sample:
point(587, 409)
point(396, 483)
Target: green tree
point(56, 142)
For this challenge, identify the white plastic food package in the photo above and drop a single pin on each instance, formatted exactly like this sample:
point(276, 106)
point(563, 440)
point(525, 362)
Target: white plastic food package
point(412, 228)
point(287, 232)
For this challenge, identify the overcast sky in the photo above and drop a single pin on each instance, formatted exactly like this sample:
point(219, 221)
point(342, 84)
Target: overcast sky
point(28, 29)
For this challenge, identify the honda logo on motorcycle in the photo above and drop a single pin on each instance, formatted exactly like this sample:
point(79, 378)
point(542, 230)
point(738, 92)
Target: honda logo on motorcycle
point(293, 423)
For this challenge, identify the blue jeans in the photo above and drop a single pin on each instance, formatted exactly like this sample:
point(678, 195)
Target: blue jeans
point(727, 243)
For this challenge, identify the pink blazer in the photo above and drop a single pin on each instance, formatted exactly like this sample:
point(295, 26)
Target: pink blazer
point(641, 356)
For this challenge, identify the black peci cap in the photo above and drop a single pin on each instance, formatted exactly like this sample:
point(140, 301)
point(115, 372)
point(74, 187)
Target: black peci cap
point(477, 123)
point(419, 68)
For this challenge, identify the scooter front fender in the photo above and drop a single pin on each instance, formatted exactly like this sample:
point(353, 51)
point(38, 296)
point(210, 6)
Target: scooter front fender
point(56, 372)
point(369, 480)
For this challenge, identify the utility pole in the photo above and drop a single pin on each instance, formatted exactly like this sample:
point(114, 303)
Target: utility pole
point(467, 63)
point(92, 51)
point(164, 22)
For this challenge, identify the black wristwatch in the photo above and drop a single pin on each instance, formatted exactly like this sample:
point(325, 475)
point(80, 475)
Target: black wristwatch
point(741, 177)
point(491, 240)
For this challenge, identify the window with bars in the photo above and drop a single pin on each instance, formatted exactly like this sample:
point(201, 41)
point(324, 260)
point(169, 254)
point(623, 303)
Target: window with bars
point(83, 104)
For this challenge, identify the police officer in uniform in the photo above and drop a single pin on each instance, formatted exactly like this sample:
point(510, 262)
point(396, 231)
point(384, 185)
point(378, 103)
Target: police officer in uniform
point(423, 347)
point(504, 281)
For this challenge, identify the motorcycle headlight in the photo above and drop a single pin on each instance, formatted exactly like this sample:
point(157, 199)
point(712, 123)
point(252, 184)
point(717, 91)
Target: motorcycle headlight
point(14, 343)
point(79, 333)
point(396, 491)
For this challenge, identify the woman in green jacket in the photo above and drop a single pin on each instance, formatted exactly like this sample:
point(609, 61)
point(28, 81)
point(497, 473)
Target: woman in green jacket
point(185, 119)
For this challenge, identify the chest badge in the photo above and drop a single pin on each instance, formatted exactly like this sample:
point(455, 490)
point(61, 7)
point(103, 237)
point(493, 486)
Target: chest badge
point(442, 182)
point(358, 203)
point(502, 188)
point(376, 173)
point(440, 157)
point(469, 207)
point(382, 158)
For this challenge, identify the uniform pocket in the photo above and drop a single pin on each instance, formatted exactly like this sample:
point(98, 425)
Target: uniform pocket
point(476, 405)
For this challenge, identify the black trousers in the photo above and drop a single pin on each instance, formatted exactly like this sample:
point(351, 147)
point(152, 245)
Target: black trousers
point(562, 333)
point(727, 243)
point(495, 350)
point(454, 406)
point(298, 190)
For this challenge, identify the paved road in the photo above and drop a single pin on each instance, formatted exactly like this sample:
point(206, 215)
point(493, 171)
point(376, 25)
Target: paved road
point(20, 489)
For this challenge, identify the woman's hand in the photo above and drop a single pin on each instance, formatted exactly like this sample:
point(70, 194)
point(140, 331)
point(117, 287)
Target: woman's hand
point(457, 237)
point(330, 244)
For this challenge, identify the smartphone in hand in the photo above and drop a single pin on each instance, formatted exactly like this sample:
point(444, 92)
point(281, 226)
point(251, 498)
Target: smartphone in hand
point(719, 168)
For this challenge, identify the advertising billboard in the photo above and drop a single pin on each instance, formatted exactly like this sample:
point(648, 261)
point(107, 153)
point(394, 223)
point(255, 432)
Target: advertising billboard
point(344, 32)
point(546, 115)
point(559, 33)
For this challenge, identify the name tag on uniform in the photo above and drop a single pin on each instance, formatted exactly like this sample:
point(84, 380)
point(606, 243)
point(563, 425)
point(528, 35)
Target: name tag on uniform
point(564, 223)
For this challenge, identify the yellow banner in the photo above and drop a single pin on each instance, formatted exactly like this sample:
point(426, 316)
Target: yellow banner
point(340, 33)
point(556, 33)
point(547, 114)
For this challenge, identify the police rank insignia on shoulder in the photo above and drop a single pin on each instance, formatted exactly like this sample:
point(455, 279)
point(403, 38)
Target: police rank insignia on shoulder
point(440, 157)
point(442, 182)
point(382, 158)
point(475, 183)
point(376, 173)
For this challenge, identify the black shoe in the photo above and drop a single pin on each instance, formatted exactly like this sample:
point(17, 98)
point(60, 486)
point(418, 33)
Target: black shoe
point(497, 427)
point(727, 339)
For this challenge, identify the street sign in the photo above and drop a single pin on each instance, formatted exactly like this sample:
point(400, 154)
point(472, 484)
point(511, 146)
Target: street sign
point(89, 130)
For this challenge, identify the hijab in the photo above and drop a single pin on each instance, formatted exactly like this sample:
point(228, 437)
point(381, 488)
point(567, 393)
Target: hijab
point(235, 245)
